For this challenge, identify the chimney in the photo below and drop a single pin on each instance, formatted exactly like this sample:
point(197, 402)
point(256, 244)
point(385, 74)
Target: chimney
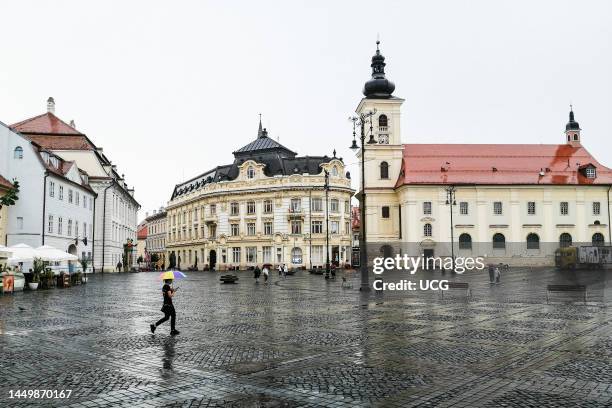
point(51, 105)
point(72, 125)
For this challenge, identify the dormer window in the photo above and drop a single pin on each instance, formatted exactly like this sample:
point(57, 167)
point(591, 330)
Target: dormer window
point(18, 153)
point(250, 172)
point(591, 172)
point(335, 171)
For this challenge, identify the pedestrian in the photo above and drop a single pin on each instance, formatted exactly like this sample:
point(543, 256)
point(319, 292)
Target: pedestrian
point(497, 274)
point(266, 272)
point(168, 308)
point(285, 270)
point(119, 266)
point(256, 273)
point(280, 269)
point(491, 273)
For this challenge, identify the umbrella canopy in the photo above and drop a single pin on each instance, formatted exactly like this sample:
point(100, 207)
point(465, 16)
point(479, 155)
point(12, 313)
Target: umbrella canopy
point(21, 253)
point(172, 275)
point(50, 254)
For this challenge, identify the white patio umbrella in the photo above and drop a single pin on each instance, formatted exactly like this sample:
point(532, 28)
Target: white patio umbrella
point(51, 254)
point(21, 253)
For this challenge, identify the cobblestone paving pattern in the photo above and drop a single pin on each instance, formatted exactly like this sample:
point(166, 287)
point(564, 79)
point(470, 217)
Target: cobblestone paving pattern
point(307, 342)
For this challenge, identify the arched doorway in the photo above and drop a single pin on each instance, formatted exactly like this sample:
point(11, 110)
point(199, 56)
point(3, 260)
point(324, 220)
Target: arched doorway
point(213, 259)
point(72, 249)
point(565, 240)
point(296, 256)
point(598, 239)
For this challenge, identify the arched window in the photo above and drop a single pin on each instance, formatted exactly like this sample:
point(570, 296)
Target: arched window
point(384, 170)
point(465, 241)
point(533, 241)
point(250, 172)
point(499, 241)
point(382, 121)
point(565, 240)
point(427, 230)
point(335, 171)
point(598, 239)
point(18, 153)
point(296, 255)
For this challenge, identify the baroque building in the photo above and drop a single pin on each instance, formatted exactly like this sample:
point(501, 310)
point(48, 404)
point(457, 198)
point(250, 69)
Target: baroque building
point(513, 203)
point(267, 207)
point(156, 237)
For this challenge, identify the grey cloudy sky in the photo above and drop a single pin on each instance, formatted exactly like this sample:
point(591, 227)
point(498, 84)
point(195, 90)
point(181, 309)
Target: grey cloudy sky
point(170, 88)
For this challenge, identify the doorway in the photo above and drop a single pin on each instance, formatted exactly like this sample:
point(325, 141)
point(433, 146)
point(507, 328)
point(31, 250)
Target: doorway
point(72, 249)
point(213, 259)
point(428, 255)
point(335, 255)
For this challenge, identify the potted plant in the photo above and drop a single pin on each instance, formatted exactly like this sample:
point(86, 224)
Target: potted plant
point(38, 268)
point(48, 279)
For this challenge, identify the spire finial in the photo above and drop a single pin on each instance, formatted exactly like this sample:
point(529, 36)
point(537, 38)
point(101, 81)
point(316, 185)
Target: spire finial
point(334, 152)
point(260, 132)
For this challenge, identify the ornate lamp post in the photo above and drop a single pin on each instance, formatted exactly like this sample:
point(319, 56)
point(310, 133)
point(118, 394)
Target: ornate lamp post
point(363, 255)
point(326, 188)
point(450, 201)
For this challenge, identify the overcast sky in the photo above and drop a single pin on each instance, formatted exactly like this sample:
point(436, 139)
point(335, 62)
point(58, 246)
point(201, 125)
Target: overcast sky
point(170, 88)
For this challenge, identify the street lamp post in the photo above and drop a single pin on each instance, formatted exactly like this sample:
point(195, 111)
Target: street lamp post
point(326, 188)
point(450, 201)
point(363, 255)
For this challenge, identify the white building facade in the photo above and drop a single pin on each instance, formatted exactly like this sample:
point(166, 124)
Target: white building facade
point(114, 208)
point(509, 203)
point(55, 205)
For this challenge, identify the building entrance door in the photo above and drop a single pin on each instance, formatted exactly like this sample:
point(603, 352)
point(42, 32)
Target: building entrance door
point(428, 254)
point(213, 259)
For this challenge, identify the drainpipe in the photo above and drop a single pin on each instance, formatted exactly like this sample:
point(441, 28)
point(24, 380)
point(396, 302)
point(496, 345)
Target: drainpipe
point(609, 226)
point(45, 205)
point(104, 224)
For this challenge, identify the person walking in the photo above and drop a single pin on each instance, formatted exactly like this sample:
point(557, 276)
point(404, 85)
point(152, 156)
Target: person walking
point(119, 266)
point(266, 272)
point(256, 273)
point(280, 270)
point(285, 270)
point(497, 274)
point(167, 308)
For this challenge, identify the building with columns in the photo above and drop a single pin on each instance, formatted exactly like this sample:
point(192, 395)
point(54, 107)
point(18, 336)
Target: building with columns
point(114, 209)
point(513, 203)
point(267, 206)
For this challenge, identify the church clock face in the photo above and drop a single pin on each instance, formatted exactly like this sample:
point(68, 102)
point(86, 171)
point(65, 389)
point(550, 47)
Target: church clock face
point(383, 139)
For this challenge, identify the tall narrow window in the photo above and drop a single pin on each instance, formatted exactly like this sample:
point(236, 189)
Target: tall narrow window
point(383, 122)
point(51, 189)
point(234, 209)
point(564, 207)
point(384, 170)
point(250, 172)
point(267, 206)
point(596, 208)
point(427, 208)
point(50, 226)
point(427, 230)
point(497, 208)
point(385, 211)
point(463, 208)
point(531, 207)
point(250, 207)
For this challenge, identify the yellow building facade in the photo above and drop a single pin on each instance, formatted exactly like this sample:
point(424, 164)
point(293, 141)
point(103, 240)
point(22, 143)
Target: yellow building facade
point(267, 207)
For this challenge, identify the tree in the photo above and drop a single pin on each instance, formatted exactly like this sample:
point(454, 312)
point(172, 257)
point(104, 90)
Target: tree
point(11, 196)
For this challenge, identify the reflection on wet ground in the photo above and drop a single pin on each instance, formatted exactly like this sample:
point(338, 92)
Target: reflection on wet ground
point(307, 342)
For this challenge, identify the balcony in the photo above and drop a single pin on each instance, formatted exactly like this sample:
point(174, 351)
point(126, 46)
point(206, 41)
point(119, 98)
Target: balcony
point(383, 129)
point(295, 213)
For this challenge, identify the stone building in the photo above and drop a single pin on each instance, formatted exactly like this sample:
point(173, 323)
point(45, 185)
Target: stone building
point(514, 203)
point(267, 206)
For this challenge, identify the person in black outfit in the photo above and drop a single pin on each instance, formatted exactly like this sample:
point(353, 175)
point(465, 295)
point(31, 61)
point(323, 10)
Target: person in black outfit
point(167, 308)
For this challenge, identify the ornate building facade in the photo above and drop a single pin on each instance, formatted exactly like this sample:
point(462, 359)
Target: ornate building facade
point(514, 203)
point(267, 207)
point(156, 238)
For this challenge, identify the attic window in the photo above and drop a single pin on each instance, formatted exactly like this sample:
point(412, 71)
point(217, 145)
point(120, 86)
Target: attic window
point(250, 172)
point(591, 172)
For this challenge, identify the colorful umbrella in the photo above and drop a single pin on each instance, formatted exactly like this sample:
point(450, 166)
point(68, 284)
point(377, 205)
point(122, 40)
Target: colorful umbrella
point(172, 275)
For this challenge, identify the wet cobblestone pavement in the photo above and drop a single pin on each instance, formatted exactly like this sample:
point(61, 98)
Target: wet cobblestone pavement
point(305, 342)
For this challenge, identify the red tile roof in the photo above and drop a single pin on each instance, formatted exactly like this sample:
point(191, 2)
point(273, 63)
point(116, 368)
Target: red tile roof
point(504, 164)
point(45, 124)
point(62, 142)
point(142, 232)
point(4, 183)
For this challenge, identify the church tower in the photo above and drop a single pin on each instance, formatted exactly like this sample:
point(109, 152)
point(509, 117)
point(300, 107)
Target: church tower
point(572, 130)
point(383, 152)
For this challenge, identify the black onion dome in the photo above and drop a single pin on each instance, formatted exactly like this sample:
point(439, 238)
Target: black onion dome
point(378, 86)
point(572, 124)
